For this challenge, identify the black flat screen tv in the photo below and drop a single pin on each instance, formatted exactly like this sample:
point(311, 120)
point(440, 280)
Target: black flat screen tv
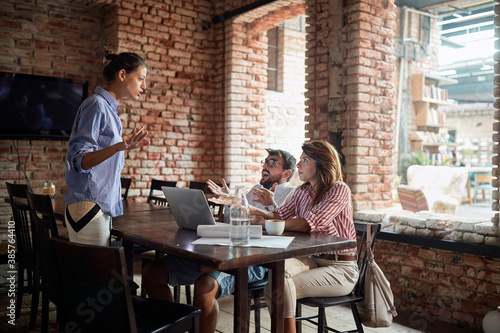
point(34, 107)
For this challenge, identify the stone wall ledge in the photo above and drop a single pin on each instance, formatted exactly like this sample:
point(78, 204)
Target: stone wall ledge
point(433, 225)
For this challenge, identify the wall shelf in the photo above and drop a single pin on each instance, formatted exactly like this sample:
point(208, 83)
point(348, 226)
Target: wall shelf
point(428, 96)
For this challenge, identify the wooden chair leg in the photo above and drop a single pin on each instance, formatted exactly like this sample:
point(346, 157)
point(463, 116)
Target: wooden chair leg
point(177, 294)
point(321, 320)
point(298, 323)
point(143, 290)
point(188, 294)
point(45, 313)
point(357, 318)
point(35, 298)
point(20, 290)
point(256, 314)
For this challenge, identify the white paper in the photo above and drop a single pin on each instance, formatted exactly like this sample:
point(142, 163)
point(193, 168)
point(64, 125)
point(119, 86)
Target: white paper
point(222, 231)
point(280, 242)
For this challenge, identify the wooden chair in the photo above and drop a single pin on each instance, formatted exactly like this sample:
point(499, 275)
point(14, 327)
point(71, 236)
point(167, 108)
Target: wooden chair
point(125, 187)
point(44, 228)
point(483, 183)
point(156, 186)
point(356, 296)
point(25, 255)
point(218, 209)
point(99, 273)
point(256, 301)
point(200, 186)
point(125, 183)
point(412, 199)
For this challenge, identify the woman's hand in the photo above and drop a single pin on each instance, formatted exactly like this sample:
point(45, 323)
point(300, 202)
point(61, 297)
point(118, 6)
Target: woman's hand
point(136, 139)
point(263, 213)
point(257, 220)
point(264, 196)
point(216, 189)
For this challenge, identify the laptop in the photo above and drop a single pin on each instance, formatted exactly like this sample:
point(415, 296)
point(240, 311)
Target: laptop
point(189, 207)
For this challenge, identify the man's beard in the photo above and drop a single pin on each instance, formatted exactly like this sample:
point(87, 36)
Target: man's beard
point(268, 183)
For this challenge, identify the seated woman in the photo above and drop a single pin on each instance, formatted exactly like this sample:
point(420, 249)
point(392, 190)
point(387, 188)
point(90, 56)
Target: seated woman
point(321, 205)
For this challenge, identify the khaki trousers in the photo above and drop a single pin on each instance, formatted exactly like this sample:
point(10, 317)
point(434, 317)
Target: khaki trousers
point(314, 277)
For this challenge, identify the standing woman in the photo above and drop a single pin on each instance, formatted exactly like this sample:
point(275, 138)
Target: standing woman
point(322, 204)
point(96, 148)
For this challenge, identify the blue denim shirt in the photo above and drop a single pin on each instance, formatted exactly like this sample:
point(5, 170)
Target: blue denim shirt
point(97, 125)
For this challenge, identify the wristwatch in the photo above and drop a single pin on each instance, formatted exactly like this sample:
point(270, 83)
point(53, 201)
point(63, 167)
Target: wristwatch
point(271, 208)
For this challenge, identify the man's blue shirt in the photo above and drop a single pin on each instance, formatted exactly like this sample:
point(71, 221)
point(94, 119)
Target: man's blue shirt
point(97, 125)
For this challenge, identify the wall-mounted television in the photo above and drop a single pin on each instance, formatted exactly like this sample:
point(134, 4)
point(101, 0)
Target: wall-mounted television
point(34, 107)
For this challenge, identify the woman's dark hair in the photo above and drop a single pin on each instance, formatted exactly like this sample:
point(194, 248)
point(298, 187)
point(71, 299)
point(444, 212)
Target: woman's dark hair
point(128, 61)
point(328, 168)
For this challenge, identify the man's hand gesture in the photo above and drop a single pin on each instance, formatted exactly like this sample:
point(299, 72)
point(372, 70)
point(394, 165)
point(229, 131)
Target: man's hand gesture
point(216, 189)
point(264, 196)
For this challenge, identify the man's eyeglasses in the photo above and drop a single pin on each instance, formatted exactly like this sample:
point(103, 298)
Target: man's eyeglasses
point(270, 163)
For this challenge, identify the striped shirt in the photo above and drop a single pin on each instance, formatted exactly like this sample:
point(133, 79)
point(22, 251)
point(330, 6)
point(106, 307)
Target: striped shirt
point(332, 216)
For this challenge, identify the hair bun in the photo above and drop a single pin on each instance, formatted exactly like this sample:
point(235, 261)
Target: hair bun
point(108, 53)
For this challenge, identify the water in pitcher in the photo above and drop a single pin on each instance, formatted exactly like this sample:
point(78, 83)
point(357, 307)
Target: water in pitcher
point(239, 218)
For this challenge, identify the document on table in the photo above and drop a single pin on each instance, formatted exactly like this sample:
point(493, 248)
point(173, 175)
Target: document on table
point(280, 242)
point(222, 231)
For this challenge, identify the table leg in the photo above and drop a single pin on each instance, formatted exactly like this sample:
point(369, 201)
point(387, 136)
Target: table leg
point(278, 283)
point(241, 300)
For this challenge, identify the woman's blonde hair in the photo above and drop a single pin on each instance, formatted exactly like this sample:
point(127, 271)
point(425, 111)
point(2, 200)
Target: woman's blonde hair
point(328, 168)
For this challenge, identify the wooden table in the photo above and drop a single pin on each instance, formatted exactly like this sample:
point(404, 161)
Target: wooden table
point(157, 230)
point(154, 227)
point(128, 206)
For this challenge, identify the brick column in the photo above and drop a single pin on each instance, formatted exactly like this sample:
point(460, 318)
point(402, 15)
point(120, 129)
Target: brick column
point(350, 91)
point(245, 84)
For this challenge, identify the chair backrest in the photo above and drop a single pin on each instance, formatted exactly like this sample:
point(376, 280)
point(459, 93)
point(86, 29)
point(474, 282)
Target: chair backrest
point(203, 186)
point(218, 209)
point(412, 199)
point(483, 178)
point(361, 231)
point(156, 186)
point(200, 186)
point(21, 212)
point(97, 273)
point(125, 187)
point(44, 228)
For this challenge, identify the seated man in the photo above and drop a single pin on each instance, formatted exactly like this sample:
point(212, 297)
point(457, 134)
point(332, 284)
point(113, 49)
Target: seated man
point(277, 170)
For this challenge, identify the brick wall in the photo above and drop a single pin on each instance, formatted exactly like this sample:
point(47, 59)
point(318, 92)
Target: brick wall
point(204, 126)
point(195, 117)
point(205, 104)
point(247, 133)
point(182, 108)
point(179, 110)
point(42, 38)
point(350, 93)
point(434, 285)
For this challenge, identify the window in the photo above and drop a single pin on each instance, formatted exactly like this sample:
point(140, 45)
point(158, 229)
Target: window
point(273, 64)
